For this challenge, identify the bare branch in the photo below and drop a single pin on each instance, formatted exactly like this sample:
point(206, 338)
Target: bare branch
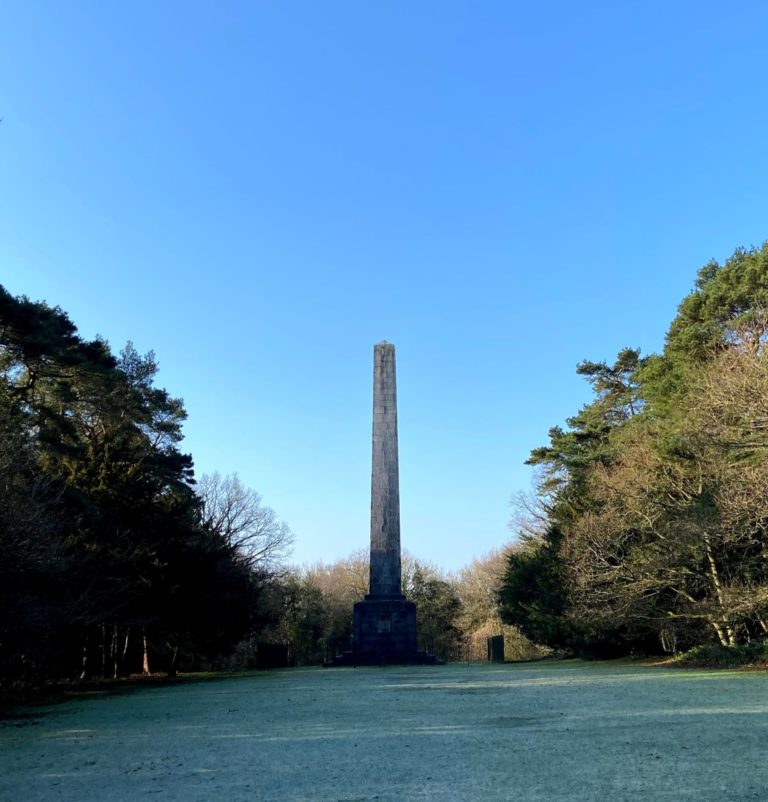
point(237, 515)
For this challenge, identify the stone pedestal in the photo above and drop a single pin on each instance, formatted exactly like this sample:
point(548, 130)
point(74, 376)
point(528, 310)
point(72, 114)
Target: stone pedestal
point(383, 626)
point(384, 634)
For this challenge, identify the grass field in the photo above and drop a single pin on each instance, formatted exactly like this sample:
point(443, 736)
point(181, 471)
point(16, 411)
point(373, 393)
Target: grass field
point(545, 731)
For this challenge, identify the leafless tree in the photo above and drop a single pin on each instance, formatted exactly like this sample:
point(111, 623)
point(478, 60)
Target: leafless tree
point(688, 527)
point(530, 515)
point(249, 528)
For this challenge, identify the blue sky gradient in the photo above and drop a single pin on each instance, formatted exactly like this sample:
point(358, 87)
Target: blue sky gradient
point(260, 191)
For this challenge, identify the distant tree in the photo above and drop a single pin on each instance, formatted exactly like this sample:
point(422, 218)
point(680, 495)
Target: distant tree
point(319, 601)
point(237, 515)
point(342, 584)
point(317, 607)
point(304, 624)
point(437, 607)
point(533, 593)
point(477, 586)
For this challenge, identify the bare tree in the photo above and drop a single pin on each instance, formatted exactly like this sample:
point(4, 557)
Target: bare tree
point(680, 534)
point(530, 514)
point(345, 580)
point(477, 584)
point(237, 515)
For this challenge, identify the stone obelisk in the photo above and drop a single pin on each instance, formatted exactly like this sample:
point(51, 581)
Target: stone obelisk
point(384, 623)
point(385, 480)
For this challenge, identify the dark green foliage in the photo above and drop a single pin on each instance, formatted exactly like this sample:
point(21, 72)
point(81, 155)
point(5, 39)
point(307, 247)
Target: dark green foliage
point(101, 531)
point(532, 595)
point(713, 655)
point(586, 441)
point(726, 299)
point(728, 306)
point(437, 607)
point(305, 622)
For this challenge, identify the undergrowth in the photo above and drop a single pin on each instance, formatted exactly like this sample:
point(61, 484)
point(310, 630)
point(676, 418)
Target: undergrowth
point(712, 655)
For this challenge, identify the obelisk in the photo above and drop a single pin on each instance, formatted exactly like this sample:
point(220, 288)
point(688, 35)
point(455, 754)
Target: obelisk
point(384, 623)
point(385, 578)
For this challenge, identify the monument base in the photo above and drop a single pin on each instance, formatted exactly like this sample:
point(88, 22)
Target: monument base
point(384, 633)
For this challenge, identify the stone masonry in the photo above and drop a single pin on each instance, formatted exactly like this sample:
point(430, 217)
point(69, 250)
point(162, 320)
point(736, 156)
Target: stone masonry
point(385, 579)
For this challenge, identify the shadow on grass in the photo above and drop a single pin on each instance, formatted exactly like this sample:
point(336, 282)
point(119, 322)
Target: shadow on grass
point(58, 692)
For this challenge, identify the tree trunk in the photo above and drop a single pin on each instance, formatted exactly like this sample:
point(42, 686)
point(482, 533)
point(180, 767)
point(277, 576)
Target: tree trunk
point(720, 634)
point(172, 670)
point(125, 649)
point(84, 663)
point(113, 651)
point(145, 666)
point(104, 650)
point(723, 628)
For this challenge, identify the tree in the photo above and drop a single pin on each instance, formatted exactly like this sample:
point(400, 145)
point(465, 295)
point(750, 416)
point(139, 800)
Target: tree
point(32, 605)
point(477, 586)
point(237, 515)
point(437, 607)
point(727, 305)
point(532, 592)
point(304, 620)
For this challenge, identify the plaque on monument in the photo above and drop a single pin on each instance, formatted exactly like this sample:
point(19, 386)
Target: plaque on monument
point(384, 623)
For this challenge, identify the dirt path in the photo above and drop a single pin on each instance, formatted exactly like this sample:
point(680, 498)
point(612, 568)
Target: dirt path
point(565, 731)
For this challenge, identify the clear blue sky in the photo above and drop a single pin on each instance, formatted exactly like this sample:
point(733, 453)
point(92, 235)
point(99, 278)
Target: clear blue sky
point(260, 191)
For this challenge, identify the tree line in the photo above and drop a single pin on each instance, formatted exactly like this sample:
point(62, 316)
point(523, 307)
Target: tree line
point(455, 613)
point(648, 530)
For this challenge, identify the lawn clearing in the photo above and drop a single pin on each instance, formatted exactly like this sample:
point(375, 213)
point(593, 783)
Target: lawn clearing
point(543, 731)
